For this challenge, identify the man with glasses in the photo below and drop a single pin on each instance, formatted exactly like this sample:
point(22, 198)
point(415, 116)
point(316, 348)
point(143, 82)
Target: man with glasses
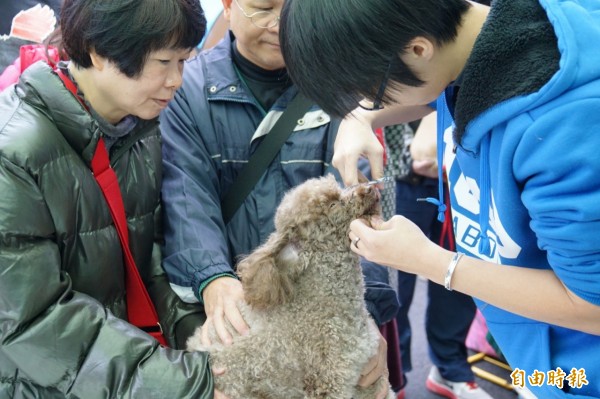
point(231, 96)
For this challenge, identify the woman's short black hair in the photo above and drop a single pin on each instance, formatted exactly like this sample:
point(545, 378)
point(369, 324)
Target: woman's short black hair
point(126, 31)
point(338, 51)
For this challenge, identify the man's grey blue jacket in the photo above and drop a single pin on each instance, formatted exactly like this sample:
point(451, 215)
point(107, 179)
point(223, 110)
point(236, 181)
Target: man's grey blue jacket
point(206, 131)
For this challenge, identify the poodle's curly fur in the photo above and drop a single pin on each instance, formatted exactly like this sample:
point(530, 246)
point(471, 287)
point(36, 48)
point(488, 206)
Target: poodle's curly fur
point(310, 332)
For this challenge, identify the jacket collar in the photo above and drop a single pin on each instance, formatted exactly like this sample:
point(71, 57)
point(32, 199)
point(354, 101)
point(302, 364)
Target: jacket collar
point(223, 82)
point(221, 79)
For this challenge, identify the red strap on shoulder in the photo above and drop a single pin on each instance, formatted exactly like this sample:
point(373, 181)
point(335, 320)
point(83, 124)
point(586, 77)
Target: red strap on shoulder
point(140, 309)
point(70, 86)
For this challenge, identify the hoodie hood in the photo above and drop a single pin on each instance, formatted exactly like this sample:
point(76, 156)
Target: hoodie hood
point(528, 52)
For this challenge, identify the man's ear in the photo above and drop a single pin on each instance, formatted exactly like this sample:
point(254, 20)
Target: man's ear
point(98, 62)
point(420, 49)
point(227, 9)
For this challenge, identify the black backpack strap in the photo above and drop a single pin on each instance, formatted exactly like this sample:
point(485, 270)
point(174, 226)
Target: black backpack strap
point(263, 156)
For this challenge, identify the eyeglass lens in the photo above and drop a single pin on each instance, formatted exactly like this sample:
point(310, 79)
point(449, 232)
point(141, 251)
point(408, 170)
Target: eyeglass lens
point(265, 19)
point(261, 19)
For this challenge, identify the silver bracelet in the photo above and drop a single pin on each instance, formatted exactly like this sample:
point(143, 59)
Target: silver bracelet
point(450, 271)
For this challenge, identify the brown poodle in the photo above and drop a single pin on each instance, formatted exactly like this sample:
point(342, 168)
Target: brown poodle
point(310, 333)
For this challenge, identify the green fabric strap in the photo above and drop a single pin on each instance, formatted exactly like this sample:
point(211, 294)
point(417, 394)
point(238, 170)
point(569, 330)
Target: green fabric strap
point(262, 157)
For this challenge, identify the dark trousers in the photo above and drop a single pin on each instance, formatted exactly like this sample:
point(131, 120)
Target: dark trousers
point(449, 313)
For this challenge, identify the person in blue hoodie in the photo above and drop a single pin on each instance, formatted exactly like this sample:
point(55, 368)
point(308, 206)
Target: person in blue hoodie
point(517, 91)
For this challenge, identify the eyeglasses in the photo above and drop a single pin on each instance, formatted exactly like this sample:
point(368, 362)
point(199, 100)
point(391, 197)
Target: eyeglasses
point(376, 105)
point(261, 19)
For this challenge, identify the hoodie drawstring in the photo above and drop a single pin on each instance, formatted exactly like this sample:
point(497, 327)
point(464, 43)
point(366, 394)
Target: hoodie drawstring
point(484, 185)
point(439, 202)
point(484, 196)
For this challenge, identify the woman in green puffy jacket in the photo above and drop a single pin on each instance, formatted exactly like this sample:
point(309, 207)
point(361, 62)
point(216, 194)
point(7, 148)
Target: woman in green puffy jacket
point(63, 310)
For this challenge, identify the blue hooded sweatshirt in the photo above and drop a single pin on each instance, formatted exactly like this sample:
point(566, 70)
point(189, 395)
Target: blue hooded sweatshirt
point(521, 151)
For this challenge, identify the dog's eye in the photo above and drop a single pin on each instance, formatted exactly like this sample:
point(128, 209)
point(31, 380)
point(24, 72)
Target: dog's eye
point(333, 205)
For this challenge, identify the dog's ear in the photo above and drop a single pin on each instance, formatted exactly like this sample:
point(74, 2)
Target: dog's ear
point(268, 273)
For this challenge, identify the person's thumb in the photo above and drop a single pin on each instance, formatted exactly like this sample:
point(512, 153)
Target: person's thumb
point(376, 222)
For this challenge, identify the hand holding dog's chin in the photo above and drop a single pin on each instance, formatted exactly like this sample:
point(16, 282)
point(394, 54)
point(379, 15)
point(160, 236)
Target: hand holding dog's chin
point(397, 243)
point(375, 221)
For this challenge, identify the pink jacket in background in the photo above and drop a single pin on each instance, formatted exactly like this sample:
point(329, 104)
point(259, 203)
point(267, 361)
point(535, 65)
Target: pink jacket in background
point(29, 54)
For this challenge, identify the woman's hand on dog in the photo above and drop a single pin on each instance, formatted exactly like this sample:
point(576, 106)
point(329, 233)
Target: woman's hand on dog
point(376, 368)
point(221, 297)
